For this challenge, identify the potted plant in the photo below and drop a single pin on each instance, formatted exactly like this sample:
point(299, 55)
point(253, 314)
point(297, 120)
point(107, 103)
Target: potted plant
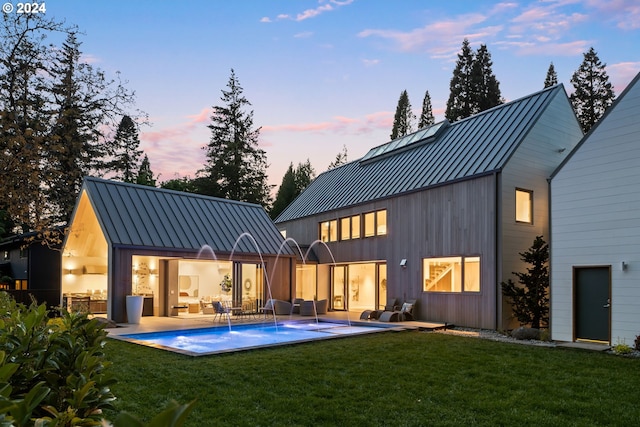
point(226, 283)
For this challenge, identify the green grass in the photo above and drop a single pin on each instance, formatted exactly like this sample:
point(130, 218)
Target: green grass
point(406, 378)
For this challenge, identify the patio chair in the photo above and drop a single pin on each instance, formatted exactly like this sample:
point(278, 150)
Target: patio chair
point(405, 313)
point(393, 304)
point(220, 310)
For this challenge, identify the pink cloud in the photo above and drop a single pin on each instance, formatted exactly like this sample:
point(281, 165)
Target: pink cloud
point(624, 13)
point(311, 13)
point(622, 73)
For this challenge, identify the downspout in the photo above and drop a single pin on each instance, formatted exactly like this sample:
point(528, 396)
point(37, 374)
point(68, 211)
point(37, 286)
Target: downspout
point(550, 241)
point(498, 250)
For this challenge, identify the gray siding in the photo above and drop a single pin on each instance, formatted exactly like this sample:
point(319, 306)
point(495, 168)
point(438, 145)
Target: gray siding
point(530, 168)
point(595, 205)
point(458, 219)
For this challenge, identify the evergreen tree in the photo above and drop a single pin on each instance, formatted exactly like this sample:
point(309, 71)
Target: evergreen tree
point(145, 175)
point(485, 86)
point(552, 77)
point(341, 159)
point(294, 181)
point(593, 92)
point(24, 118)
point(473, 87)
point(236, 167)
point(184, 184)
point(286, 193)
point(461, 103)
point(403, 120)
point(531, 300)
point(126, 151)
point(426, 117)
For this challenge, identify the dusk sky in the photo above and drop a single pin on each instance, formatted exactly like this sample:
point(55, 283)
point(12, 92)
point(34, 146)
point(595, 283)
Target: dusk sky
point(323, 74)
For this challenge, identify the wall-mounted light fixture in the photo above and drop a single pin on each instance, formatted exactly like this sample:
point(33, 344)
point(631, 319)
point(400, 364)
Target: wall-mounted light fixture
point(624, 266)
point(403, 263)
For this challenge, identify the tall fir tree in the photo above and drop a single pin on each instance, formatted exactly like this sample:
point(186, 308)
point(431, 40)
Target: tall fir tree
point(473, 88)
point(593, 92)
point(341, 159)
point(24, 119)
point(236, 167)
point(404, 117)
point(485, 86)
point(53, 108)
point(552, 77)
point(426, 116)
point(145, 174)
point(294, 181)
point(460, 102)
point(126, 151)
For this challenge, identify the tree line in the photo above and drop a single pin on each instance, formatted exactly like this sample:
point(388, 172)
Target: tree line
point(474, 88)
point(62, 119)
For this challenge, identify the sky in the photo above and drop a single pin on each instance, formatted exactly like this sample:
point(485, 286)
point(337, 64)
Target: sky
point(326, 74)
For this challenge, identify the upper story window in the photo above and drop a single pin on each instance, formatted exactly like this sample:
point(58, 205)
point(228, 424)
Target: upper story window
point(329, 231)
point(524, 206)
point(354, 227)
point(375, 223)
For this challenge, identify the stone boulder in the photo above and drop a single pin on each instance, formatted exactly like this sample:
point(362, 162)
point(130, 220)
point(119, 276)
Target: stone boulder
point(523, 333)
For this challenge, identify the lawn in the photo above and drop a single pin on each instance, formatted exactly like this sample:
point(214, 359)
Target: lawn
point(408, 378)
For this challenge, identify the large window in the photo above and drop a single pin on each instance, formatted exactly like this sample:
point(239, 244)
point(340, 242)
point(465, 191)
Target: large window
point(369, 224)
point(524, 206)
point(451, 274)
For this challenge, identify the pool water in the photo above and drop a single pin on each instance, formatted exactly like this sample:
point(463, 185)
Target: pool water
point(221, 339)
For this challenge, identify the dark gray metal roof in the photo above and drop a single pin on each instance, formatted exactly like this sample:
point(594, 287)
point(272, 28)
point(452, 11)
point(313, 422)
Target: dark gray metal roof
point(142, 216)
point(474, 146)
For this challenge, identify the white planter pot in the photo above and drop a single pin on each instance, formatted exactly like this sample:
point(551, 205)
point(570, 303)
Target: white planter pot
point(134, 308)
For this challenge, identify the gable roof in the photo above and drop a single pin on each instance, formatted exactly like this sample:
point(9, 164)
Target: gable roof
point(149, 217)
point(596, 127)
point(475, 146)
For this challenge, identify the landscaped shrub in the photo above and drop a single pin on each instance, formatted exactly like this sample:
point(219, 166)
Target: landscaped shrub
point(53, 372)
point(622, 348)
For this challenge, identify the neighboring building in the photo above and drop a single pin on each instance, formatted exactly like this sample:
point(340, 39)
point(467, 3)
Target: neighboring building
point(595, 234)
point(34, 269)
point(175, 248)
point(439, 216)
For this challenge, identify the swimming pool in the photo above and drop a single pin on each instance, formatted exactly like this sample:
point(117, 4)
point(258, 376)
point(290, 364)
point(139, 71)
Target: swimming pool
point(222, 339)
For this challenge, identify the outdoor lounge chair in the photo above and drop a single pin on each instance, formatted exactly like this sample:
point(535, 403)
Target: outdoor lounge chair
point(311, 307)
point(405, 313)
point(279, 306)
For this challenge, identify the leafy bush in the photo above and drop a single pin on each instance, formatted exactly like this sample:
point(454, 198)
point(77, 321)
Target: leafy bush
point(53, 372)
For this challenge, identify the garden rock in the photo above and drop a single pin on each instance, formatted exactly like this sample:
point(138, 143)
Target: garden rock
point(523, 333)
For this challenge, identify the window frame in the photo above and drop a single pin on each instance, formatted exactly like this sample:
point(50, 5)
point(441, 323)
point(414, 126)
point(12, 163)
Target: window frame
point(461, 260)
point(517, 210)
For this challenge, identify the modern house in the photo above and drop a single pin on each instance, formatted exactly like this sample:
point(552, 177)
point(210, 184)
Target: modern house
point(33, 269)
point(595, 230)
point(174, 248)
point(438, 216)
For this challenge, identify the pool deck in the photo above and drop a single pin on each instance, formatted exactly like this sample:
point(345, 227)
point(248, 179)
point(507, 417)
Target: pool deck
point(191, 321)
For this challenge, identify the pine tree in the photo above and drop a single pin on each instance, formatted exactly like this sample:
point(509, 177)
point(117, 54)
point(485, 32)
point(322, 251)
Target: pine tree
point(593, 92)
point(485, 86)
point(236, 167)
point(552, 77)
point(473, 87)
point(286, 193)
point(426, 117)
point(531, 300)
point(461, 103)
point(341, 159)
point(403, 120)
point(145, 175)
point(126, 151)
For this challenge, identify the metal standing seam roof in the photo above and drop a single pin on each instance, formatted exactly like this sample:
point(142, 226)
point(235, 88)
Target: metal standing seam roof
point(143, 216)
point(474, 146)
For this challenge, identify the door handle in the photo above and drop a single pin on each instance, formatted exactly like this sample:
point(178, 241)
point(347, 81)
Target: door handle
point(608, 304)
